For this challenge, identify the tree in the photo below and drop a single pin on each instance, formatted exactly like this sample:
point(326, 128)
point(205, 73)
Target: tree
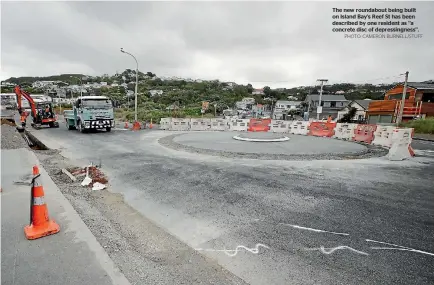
point(348, 117)
point(249, 88)
point(267, 91)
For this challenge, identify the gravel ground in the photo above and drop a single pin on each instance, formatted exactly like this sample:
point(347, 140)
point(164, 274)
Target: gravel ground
point(371, 151)
point(145, 253)
point(11, 138)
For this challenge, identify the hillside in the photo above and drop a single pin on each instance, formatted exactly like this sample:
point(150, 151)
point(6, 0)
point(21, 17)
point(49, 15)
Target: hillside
point(156, 94)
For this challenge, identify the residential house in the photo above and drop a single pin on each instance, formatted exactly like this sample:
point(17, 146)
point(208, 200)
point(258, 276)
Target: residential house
point(42, 84)
point(258, 92)
point(245, 103)
point(419, 102)
point(360, 105)
point(331, 105)
point(288, 105)
point(155, 92)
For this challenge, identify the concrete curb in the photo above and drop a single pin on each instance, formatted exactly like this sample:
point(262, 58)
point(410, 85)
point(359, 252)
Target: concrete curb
point(260, 140)
point(422, 139)
point(82, 232)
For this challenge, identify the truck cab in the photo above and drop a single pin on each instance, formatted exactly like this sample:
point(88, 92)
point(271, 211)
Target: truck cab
point(91, 113)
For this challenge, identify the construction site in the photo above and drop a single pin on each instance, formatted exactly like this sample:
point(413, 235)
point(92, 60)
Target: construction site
point(212, 201)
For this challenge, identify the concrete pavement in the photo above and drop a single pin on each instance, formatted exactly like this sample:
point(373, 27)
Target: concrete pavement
point(276, 222)
point(72, 256)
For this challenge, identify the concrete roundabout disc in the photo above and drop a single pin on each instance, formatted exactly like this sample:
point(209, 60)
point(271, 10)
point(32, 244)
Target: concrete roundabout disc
point(261, 137)
point(293, 147)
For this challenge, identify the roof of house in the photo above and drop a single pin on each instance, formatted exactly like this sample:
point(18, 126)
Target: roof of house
point(315, 97)
point(285, 102)
point(363, 103)
point(417, 85)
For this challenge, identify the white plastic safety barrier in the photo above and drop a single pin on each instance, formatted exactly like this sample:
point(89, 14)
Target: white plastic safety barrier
point(240, 125)
point(178, 124)
point(279, 126)
point(165, 123)
point(401, 145)
point(344, 131)
point(299, 128)
point(219, 125)
point(200, 124)
point(383, 135)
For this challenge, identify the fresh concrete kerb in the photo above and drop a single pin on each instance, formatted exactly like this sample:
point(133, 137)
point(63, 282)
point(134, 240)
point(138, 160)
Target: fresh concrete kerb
point(261, 137)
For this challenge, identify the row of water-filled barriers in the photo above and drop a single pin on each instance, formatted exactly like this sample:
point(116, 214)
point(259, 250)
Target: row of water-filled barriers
point(397, 140)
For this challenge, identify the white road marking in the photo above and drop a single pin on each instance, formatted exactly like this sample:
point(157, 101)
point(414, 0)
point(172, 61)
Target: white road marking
point(234, 252)
point(314, 230)
point(397, 247)
point(333, 249)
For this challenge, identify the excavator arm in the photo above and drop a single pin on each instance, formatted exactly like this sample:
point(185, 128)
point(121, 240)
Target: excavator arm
point(20, 93)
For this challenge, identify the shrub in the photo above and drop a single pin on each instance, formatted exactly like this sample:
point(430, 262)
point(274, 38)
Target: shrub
point(425, 126)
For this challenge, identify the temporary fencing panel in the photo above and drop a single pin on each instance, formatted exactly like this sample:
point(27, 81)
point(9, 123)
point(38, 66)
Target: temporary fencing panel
point(383, 136)
point(321, 129)
point(200, 124)
point(219, 125)
point(344, 131)
point(364, 133)
point(401, 144)
point(180, 124)
point(165, 123)
point(239, 125)
point(259, 125)
point(299, 127)
point(279, 126)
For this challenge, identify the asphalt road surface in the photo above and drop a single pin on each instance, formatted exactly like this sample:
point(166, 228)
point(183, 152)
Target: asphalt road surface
point(276, 222)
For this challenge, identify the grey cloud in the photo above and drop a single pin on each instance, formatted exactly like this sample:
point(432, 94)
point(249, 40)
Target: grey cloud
point(251, 41)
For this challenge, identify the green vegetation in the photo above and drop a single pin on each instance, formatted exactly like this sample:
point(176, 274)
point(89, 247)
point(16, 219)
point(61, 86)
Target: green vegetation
point(183, 95)
point(425, 126)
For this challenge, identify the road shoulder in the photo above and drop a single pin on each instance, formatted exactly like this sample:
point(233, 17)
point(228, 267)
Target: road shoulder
point(72, 256)
point(144, 252)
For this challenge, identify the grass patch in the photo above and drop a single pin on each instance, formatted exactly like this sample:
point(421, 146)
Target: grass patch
point(425, 126)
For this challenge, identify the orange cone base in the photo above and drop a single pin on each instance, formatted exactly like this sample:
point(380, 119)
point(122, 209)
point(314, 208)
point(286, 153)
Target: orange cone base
point(136, 126)
point(49, 228)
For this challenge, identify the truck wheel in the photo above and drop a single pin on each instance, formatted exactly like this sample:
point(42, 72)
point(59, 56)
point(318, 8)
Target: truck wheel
point(51, 124)
point(108, 129)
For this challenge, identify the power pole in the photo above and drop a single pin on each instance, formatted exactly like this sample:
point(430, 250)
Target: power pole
point(404, 93)
point(320, 96)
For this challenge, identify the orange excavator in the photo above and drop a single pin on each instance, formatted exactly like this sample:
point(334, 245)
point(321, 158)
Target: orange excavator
point(42, 112)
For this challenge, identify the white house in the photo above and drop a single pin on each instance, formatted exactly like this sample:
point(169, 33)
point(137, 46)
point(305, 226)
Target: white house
point(155, 92)
point(287, 105)
point(360, 105)
point(258, 92)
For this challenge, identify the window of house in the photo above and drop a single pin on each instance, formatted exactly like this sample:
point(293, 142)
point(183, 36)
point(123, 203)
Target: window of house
point(326, 104)
point(332, 104)
point(398, 96)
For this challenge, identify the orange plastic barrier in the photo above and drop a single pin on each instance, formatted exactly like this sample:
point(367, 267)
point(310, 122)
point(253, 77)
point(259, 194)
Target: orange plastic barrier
point(364, 133)
point(322, 129)
point(259, 125)
point(40, 224)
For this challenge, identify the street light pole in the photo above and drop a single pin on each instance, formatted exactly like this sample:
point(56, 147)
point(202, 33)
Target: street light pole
point(320, 97)
point(404, 93)
point(137, 82)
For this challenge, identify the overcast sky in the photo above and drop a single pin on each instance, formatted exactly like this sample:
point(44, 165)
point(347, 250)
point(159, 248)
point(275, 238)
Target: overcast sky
point(279, 44)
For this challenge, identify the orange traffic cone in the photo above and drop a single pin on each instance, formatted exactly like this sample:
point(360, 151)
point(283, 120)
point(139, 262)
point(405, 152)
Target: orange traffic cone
point(126, 125)
point(136, 126)
point(40, 223)
point(150, 125)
